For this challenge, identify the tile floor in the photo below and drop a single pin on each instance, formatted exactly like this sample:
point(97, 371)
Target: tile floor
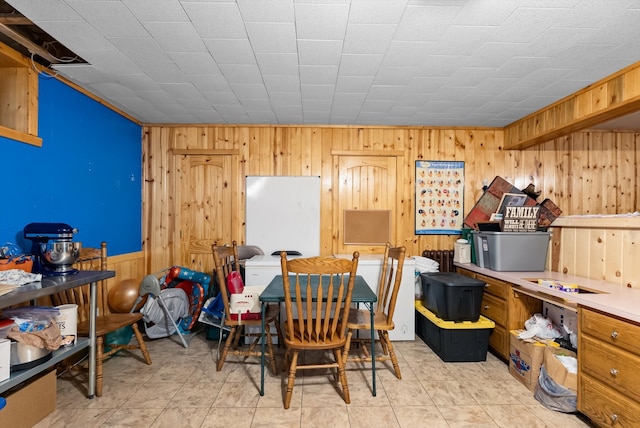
point(182, 389)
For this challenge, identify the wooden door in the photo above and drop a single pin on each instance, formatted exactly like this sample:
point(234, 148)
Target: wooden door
point(365, 183)
point(206, 207)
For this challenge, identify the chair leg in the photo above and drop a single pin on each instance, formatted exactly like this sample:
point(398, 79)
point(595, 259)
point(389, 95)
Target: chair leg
point(227, 345)
point(347, 346)
point(272, 356)
point(141, 344)
point(293, 366)
point(342, 374)
point(99, 357)
point(384, 338)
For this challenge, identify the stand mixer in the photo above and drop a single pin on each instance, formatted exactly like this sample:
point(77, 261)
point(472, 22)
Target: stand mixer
point(53, 249)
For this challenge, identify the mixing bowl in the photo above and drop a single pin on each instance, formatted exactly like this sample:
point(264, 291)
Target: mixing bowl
point(60, 254)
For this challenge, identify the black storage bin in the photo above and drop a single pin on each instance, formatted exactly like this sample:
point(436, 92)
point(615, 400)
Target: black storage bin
point(454, 341)
point(451, 296)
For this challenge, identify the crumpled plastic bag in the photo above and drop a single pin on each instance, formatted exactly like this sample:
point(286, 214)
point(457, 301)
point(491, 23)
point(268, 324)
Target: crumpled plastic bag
point(539, 326)
point(47, 338)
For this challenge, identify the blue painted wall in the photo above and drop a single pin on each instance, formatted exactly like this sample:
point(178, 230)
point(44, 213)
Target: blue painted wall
point(86, 174)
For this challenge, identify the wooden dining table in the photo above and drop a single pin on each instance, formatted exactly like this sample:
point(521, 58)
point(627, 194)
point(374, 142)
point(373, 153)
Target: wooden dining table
point(274, 293)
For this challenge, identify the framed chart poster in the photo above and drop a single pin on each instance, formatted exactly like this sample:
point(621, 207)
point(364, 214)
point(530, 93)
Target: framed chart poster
point(439, 197)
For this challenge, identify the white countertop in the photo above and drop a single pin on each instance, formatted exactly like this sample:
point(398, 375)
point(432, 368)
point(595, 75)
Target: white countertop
point(607, 297)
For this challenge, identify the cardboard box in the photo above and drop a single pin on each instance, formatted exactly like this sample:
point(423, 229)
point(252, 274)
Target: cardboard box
point(560, 317)
point(525, 359)
point(31, 403)
point(556, 370)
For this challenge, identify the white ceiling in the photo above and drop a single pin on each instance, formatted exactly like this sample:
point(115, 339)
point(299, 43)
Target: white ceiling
point(360, 62)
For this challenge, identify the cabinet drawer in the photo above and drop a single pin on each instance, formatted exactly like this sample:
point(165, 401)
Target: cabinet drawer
point(499, 341)
point(494, 308)
point(494, 286)
point(466, 272)
point(612, 366)
point(606, 407)
point(614, 331)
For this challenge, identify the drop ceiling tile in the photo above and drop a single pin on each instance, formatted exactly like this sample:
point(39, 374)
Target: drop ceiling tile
point(425, 85)
point(256, 105)
point(207, 116)
point(156, 97)
point(110, 18)
point(333, 17)
point(160, 11)
point(216, 20)
point(221, 98)
point(289, 110)
point(266, 10)
point(113, 62)
point(137, 82)
point(368, 39)
point(282, 99)
point(282, 83)
point(316, 52)
point(209, 82)
point(236, 51)
point(278, 63)
point(262, 116)
point(181, 90)
point(425, 22)
point(407, 54)
point(394, 75)
point(354, 83)
point(376, 11)
point(310, 104)
point(195, 62)
point(376, 106)
point(359, 65)
point(163, 73)
point(270, 37)
point(350, 100)
point(192, 104)
point(318, 74)
point(241, 73)
point(247, 91)
point(317, 92)
point(140, 49)
point(525, 24)
point(176, 36)
point(471, 76)
point(384, 93)
point(45, 10)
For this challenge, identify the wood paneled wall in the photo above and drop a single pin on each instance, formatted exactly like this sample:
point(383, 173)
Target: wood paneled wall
point(585, 172)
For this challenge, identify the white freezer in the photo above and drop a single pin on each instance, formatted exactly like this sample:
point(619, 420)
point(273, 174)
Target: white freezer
point(260, 270)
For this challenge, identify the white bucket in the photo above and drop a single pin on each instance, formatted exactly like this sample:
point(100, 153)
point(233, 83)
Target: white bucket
point(68, 323)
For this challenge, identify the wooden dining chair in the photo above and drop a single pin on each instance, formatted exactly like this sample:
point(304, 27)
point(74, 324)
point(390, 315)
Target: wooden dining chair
point(225, 260)
point(387, 293)
point(319, 323)
point(106, 322)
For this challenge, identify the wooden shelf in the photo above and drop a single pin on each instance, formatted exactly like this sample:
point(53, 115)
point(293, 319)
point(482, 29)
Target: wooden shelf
point(595, 222)
point(18, 97)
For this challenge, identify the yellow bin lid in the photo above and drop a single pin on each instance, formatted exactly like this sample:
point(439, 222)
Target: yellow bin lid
point(482, 322)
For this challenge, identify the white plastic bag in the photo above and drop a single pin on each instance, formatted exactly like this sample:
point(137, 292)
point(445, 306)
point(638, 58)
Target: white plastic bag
point(541, 327)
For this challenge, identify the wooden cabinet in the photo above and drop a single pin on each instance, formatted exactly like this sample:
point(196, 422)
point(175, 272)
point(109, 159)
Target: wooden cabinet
point(18, 97)
point(608, 376)
point(508, 308)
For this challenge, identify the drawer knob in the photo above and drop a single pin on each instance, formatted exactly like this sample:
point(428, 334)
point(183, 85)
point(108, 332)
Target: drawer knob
point(486, 307)
point(614, 372)
point(614, 417)
point(614, 334)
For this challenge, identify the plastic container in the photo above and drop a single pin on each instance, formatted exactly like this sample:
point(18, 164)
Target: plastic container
point(454, 341)
point(462, 251)
point(451, 296)
point(514, 251)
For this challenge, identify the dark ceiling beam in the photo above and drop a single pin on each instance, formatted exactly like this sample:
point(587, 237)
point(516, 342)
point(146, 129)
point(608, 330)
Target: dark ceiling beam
point(31, 46)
